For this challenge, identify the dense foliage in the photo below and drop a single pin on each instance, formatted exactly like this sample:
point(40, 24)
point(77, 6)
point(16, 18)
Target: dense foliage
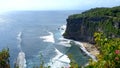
point(101, 25)
point(100, 12)
point(109, 56)
point(82, 26)
point(4, 58)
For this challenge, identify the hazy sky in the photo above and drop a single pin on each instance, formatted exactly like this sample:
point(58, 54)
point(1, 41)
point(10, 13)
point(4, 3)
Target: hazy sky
point(6, 5)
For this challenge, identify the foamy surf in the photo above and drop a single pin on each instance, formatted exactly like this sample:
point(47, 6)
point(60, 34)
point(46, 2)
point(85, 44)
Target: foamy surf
point(60, 60)
point(49, 38)
point(19, 40)
point(64, 42)
point(21, 61)
point(62, 29)
point(89, 54)
point(84, 49)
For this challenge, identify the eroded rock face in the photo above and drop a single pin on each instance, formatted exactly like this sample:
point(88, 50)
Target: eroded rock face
point(78, 30)
point(81, 27)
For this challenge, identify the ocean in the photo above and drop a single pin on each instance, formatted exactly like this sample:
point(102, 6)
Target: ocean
point(34, 36)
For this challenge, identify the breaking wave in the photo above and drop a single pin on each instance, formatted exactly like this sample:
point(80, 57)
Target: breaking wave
point(64, 42)
point(49, 38)
point(79, 44)
point(62, 29)
point(59, 60)
point(21, 61)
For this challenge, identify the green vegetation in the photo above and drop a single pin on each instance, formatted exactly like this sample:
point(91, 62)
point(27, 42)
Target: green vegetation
point(42, 64)
point(4, 58)
point(99, 12)
point(109, 56)
point(106, 20)
point(102, 25)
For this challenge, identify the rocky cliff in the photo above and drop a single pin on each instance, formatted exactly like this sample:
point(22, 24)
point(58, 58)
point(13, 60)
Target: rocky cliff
point(82, 26)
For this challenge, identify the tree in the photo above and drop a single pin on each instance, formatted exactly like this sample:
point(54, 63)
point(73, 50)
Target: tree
point(4, 58)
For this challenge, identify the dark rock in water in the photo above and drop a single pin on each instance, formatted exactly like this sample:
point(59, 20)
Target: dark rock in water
point(81, 27)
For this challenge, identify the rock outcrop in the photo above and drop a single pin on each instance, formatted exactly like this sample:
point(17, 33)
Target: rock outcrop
point(81, 27)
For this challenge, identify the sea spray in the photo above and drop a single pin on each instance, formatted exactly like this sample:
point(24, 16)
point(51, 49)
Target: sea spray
point(62, 29)
point(48, 38)
point(64, 42)
point(89, 54)
point(79, 44)
point(60, 60)
point(19, 40)
point(21, 61)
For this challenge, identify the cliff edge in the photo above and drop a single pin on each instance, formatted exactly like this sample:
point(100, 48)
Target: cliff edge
point(81, 27)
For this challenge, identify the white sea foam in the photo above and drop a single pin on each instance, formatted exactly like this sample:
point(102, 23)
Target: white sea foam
point(60, 60)
point(64, 42)
point(21, 61)
point(19, 40)
point(84, 49)
point(49, 38)
point(62, 29)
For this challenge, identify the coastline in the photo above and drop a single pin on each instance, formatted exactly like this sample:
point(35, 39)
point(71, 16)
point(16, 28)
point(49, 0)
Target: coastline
point(87, 48)
point(91, 48)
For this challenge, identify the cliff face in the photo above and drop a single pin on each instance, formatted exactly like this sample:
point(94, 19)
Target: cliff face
point(81, 27)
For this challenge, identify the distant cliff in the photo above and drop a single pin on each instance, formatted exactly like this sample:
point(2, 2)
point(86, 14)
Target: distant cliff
point(82, 26)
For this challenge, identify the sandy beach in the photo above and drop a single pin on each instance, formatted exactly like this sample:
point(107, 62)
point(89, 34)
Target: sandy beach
point(91, 48)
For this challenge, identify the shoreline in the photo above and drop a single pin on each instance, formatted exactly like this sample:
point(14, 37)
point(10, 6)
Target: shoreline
point(87, 48)
point(91, 48)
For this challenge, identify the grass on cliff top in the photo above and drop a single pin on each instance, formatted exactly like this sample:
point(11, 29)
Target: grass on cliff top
point(98, 12)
